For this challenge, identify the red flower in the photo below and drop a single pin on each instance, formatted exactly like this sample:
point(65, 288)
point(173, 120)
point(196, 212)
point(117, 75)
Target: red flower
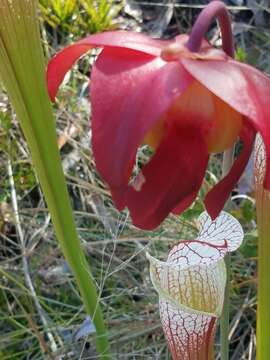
point(184, 105)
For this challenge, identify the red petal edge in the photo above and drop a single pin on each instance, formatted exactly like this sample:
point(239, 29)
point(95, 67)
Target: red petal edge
point(169, 177)
point(63, 61)
point(129, 94)
point(244, 88)
point(217, 197)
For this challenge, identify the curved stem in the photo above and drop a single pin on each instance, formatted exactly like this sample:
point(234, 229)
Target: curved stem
point(216, 9)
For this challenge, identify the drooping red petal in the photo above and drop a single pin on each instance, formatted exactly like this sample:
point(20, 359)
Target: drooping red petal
point(241, 86)
point(130, 94)
point(63, 61)
point(217, 197)
point(183, 205)
point(169, 177)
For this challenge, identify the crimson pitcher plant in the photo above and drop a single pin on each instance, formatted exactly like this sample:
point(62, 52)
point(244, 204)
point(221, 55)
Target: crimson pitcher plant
point(191, 284)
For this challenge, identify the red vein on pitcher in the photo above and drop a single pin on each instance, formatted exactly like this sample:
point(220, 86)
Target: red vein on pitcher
point(191, 286)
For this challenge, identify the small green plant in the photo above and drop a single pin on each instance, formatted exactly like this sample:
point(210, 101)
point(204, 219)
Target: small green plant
point(98, 15)
point(78, 17)
point(240, 54)
point(58, 12)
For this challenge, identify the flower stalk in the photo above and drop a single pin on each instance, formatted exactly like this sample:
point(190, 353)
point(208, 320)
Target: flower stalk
point(22, 72)
point(215, 10)
point(218, 10)
point(263, 221)
point(225, 316)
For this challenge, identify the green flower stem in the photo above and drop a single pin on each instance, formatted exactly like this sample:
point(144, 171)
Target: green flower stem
point(225, 317)
point(263, 304)
point(217, 9)
point(263, 220)
point(23, 75)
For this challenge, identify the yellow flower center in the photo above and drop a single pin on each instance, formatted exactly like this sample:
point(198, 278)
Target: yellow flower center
point(198, 107)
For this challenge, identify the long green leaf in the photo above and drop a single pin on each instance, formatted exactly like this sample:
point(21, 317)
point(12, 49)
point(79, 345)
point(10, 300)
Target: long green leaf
point(22, 72)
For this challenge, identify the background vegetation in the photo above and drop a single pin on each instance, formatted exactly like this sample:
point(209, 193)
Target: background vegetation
point(41, 314)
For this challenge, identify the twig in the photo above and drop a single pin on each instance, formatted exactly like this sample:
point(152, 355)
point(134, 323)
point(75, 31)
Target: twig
point(225, 317)
point(190, 6)
point(27, 276)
